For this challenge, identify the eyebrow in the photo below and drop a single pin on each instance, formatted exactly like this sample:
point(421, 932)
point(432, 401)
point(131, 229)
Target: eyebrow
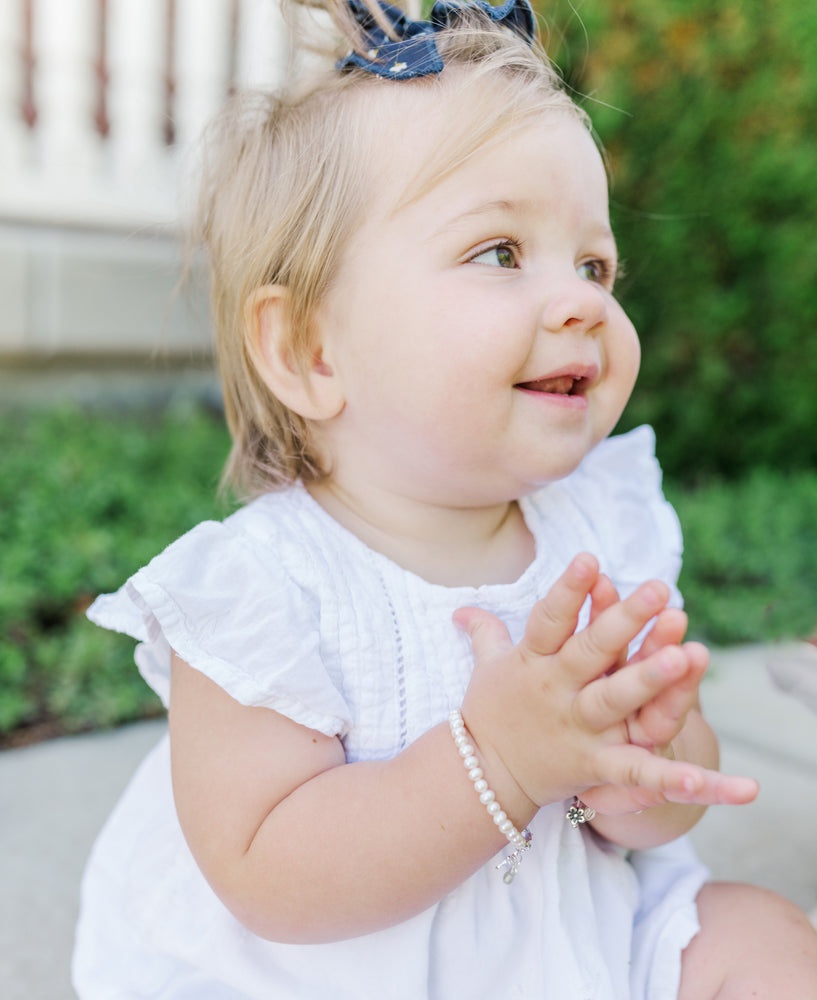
point(511, 207)
point(486, 208)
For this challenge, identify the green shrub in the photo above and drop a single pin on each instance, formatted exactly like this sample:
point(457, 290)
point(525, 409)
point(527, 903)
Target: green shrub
point(86, 500)
point(750, 570)
point(707, 115)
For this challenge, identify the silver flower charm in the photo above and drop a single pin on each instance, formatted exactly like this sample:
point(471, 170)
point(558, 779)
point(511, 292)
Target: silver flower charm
point(579, 813)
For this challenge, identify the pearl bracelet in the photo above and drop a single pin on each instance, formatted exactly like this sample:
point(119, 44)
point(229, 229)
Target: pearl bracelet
point(521, 841)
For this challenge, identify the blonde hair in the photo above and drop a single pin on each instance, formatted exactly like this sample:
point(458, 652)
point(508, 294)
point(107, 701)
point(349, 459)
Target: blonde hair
point(284, 182)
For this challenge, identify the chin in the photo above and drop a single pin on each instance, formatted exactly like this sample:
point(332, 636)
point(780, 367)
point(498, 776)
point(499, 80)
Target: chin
point(535, 483)
point(563, 466)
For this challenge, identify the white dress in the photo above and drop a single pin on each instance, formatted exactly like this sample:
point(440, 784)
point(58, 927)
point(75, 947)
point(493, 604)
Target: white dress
point(284, 608)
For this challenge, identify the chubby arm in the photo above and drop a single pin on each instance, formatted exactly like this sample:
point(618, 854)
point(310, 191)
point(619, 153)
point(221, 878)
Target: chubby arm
point(303, 847)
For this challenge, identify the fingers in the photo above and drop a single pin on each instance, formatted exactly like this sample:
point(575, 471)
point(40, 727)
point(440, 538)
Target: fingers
point(668, 629)
point(610, 700)
point(598, 647)
point(676, 781)
point(489, 637)
point(554, 619)
point(603, 596)
point(661, 719)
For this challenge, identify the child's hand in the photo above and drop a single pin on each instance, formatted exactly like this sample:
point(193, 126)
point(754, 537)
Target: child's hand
point(554, 711)
point(658, 722)
point(655, 725)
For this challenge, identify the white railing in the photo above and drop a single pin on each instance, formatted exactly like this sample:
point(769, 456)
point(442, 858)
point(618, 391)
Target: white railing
point(100, 100)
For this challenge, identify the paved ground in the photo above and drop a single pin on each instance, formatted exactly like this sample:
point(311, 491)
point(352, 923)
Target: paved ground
point(55, 796)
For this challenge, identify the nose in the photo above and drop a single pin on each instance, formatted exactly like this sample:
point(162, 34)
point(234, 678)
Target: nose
point(576, 304)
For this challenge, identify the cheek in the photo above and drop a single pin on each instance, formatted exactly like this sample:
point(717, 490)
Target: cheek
point(633, 360)
point(635, 354)
point(625, 353)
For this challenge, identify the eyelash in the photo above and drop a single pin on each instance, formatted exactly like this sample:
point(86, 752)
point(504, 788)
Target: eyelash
point(515, 246)
point(606, 271)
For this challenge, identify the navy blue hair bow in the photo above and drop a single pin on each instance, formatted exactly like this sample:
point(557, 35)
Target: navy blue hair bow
point(414, 51)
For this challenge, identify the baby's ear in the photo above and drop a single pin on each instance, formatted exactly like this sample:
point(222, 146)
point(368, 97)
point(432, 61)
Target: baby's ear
point(314, 391)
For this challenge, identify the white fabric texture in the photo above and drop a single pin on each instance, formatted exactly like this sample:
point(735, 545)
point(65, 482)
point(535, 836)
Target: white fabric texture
point(285, 609)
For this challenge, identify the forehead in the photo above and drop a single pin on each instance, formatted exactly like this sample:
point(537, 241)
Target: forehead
point(466, 154)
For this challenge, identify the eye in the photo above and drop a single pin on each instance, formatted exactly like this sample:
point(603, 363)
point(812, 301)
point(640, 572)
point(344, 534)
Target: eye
point(602, 272)
point(503, 254)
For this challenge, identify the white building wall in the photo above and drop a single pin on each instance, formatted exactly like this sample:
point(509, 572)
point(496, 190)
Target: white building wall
point(100, 104)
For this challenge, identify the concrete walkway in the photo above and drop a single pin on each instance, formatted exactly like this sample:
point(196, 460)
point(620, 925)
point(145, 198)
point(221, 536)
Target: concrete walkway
point(55, 796)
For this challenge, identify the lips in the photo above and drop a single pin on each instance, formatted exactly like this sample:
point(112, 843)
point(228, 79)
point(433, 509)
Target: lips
point(562, 386)
point(565, 382)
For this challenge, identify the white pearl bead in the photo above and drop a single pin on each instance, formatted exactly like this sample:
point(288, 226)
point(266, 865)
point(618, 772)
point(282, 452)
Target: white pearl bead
point(461, 738)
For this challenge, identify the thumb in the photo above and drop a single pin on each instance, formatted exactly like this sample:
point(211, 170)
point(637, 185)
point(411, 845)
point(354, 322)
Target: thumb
point(489, 636)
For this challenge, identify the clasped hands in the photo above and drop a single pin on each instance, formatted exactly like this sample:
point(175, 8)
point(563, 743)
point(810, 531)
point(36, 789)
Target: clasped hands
point(569, 713)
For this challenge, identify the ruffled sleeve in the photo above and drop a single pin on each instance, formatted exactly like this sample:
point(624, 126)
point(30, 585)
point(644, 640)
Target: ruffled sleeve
point(618, 489)
point(223, 602)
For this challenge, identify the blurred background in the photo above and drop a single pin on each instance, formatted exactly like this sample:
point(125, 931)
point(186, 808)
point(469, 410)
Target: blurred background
point(111, 440)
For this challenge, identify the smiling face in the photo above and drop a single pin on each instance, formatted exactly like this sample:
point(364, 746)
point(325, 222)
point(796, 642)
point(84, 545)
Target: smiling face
point(473, 329)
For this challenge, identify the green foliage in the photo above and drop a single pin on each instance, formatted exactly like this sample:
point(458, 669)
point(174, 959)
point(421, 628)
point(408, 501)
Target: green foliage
point(750, 570)
point(86, 499)
point(707, 114)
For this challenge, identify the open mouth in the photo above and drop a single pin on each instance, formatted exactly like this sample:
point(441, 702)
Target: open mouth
point(561, 383)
